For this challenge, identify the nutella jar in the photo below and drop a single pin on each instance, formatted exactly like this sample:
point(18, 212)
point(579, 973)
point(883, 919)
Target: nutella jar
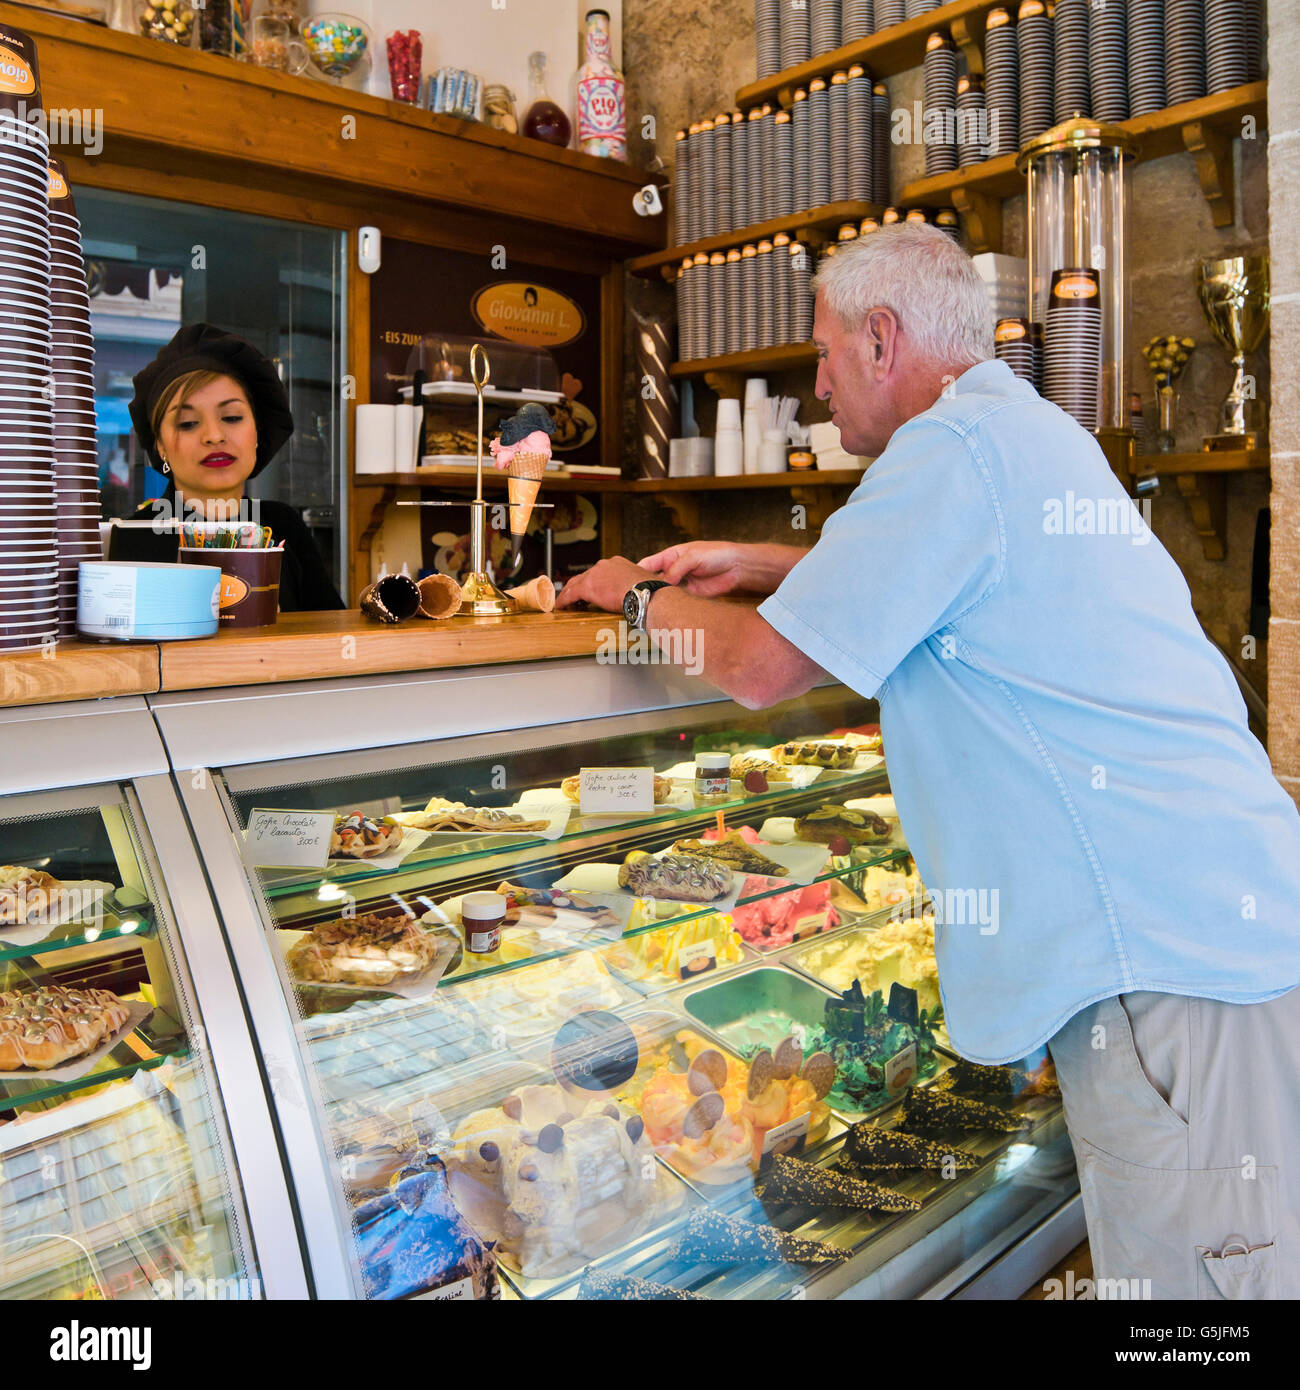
point(712, 774)
point(481, 915)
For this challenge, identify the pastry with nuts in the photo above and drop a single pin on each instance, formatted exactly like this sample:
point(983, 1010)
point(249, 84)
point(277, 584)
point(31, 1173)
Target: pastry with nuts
point(689, 878)
point(734, 852)
point(26, 894)
point(455, 817)
point(366, 950)
point(45, 1027)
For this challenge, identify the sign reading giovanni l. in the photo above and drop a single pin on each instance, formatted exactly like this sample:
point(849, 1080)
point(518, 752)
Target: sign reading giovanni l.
point(528, 313)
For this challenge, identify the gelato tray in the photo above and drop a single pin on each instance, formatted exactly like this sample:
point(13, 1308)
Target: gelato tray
point(877, 1054)
point(876, 956)
point(657, 960)
point(713, 1117)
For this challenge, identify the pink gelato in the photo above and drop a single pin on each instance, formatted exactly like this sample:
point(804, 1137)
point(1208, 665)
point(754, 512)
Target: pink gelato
point(538, 442)
point(771, 923)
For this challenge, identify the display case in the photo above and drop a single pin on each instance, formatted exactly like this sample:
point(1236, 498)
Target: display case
point(125, 1093)
point(680, 1066)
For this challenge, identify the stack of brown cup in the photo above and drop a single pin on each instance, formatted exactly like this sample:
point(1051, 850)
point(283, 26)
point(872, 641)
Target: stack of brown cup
point(76, 467)
point(28, 554)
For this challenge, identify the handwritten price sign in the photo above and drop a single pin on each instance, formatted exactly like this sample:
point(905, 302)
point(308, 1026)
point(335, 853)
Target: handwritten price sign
point(288, 839)
point(614, 791)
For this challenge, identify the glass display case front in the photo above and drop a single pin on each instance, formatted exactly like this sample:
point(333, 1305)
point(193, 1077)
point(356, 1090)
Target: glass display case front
point(115, 1174)
point(645, 1007)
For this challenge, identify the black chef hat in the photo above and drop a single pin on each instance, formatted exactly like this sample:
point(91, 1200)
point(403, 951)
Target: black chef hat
point(199, 347)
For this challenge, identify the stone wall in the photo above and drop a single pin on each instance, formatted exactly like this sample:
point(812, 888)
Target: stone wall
point(1284, 189)
point(687, 62)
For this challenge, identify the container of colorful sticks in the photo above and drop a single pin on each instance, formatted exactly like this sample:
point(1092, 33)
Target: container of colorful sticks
point(249, 595)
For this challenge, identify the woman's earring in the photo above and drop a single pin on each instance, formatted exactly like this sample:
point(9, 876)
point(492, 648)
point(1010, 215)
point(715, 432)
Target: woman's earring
point(166, 467)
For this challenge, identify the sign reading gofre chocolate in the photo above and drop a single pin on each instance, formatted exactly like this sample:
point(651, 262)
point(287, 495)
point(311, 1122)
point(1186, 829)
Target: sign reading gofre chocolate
point(531, 314)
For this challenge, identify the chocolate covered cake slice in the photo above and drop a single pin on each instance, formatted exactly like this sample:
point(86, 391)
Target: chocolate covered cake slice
point(709, 1235)
point(615, 1288)
point(928, 1110)
point(867, 1146)
point(791, 1180)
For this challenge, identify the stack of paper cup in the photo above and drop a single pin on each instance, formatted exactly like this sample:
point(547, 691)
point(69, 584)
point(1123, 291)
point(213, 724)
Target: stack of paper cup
point(1070, 46)
point(857, 20)
point(739, 171)
point(729, 446)
point(76, 459)
point(801, 155)
point(838, 119)
point(755, 400)
point(1002, 82)
point(939, 76)
point(721, 192)
point(29, 557)
point(880, 143)
point(1034, 42)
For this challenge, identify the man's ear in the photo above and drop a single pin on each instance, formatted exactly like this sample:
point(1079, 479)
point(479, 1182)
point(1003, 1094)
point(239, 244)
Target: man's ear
point(882, 337)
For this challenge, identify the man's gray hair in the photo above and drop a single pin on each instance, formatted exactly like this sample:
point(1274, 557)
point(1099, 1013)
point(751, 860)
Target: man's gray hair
point(924, 277)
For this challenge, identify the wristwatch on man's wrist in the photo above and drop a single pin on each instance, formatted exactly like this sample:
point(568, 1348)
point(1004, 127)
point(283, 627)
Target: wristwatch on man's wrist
point(637, 600)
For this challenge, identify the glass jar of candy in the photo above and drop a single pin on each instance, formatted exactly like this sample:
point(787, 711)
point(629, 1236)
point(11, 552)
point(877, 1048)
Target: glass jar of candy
point(173, 21)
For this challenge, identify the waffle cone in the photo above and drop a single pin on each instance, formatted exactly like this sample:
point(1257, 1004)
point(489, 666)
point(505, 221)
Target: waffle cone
point(538, 595)
point(439, 596)
point(528, 465)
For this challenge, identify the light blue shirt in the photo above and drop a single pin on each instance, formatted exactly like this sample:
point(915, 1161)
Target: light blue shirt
point(1069, 754)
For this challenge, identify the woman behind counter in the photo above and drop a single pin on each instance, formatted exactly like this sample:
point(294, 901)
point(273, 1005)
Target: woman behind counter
point(211, 413)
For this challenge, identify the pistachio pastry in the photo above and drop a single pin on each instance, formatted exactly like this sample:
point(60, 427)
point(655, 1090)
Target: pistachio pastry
point(826, 822)
point(811, 753)
point(734, 852)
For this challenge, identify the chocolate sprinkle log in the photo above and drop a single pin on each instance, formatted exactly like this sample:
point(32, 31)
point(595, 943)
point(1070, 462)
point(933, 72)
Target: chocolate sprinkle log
point(709, 1235)
point(925, 1111)
point(869, 1147)
point(791, 1180)
point(971, 1079)
point(615, 1288)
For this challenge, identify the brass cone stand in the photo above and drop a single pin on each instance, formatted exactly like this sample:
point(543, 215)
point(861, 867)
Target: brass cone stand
point(480, 597)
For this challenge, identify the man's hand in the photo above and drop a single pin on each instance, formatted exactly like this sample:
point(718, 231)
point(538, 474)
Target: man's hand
point(706, 568)
point(604, 584)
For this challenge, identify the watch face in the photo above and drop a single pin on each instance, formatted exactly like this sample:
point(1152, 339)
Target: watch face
point(631, 606)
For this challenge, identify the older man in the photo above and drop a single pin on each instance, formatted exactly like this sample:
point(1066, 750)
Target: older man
point(1063, 740)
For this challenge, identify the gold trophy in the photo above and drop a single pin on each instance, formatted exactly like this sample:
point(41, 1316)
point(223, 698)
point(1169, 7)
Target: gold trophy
point(1234, 299)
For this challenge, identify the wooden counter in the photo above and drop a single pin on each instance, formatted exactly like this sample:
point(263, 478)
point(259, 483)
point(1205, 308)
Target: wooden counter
point(78, 671)
point(301, 646)
point(316, 646)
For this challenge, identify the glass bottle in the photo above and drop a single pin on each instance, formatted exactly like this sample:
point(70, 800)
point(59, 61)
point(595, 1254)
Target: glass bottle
point(602, 106)
point(544, 121)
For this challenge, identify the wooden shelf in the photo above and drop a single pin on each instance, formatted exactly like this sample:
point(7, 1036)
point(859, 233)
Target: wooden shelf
point(848, 477)
point(172, 110)
point(1202, 482)
point(814, 221)
point(1204, 461)
point(1204, 127)
point(892, 50)
point(788, 357)
point(750, 482)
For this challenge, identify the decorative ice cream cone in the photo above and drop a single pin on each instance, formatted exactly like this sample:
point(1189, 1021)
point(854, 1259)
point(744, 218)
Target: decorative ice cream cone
point(524, 450)
point(524, 481)
point(538, 595)
point(440, 596)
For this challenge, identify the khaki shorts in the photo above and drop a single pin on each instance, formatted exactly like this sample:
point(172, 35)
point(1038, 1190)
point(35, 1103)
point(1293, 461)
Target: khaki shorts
point(1185, 1119)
